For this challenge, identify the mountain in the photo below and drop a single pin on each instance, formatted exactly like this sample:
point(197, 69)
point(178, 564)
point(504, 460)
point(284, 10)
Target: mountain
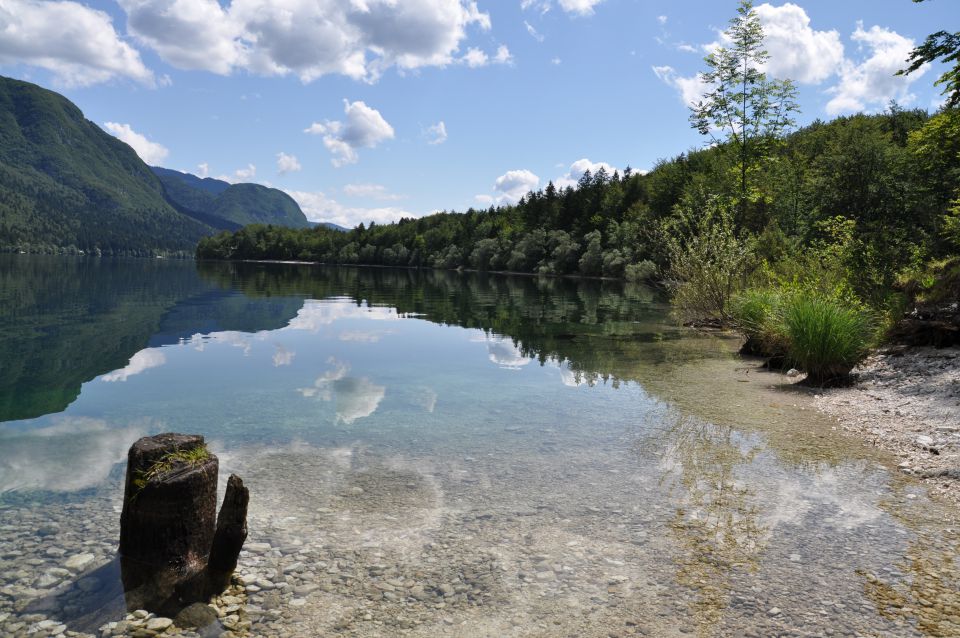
point(67, 184)
point(227, 206)
point(329, 225)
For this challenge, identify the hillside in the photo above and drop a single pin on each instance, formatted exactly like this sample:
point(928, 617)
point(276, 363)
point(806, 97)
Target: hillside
point(65, 184)
point(236, 204)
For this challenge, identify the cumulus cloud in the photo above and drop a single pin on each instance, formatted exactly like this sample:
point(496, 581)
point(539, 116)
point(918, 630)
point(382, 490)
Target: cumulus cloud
point(797, 51)
point(319, 207)
point(246, 174)
point(287, 163)
point(371, 191)
point(513, 185)
point(364, 127)
point(140, 362)
point(203, 169)
point(871, 82)
point(577, 170)
point(150, 152)
point(475, 58)
point(356, 38)
point(76, 43)
point(437, 134)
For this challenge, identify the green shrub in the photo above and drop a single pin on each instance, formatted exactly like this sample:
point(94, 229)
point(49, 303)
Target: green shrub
point(710, 262)
point(825, 339)
point(644, 271)
point(757, 315)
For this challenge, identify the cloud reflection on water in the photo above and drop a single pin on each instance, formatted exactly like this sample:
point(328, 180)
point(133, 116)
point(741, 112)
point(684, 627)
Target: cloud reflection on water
point(141, 361)
point(74, 453)
point(354, 397)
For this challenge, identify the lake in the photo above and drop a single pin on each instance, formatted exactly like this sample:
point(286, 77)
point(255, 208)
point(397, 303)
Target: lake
point(433, 453)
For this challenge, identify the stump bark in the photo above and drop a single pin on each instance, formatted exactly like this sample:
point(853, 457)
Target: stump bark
point(168, 516)
point(174, 550)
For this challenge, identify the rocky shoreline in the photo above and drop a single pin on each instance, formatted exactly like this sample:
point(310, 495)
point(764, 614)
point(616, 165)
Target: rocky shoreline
point(907, 401)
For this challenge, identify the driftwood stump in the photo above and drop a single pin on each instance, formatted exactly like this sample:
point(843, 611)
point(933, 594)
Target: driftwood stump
point(173, 549)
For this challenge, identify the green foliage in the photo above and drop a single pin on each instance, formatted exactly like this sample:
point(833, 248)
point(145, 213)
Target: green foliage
point(67, 185)
point(709, 261)
point(825, 339)
point(944, 46)
point(750, 108)
point(756, 313)
point(646, 270)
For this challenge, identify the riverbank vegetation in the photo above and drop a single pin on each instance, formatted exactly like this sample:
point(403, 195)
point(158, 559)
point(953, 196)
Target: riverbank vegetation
point(825, 222)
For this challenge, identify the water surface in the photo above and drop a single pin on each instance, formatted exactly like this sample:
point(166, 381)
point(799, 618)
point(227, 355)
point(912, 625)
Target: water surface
point(435, 453)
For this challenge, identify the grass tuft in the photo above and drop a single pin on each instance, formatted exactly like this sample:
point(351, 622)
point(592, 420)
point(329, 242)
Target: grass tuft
point(825, 339)
point(192, 457)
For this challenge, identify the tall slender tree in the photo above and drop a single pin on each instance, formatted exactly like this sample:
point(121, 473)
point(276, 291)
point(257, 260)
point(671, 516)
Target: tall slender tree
point(741, 102)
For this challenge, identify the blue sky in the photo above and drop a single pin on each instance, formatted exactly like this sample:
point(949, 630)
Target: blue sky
point(340, 102)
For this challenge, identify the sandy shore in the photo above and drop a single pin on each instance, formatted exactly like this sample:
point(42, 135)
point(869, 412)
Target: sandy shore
point(907, 401)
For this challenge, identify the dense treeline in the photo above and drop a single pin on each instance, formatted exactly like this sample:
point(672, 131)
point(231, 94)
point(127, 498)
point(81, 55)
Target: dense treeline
point(876, 188)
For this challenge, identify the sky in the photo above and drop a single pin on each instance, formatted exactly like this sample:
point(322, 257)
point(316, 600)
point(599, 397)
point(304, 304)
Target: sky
point(373, 110)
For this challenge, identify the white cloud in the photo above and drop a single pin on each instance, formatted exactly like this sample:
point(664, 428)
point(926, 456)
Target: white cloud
point(140, 362)
point(203, 169)
point(579, 7)
point(513, 185)
point(364, 127)
point(536, 35)
point(475, 58)
point(372, 191)
point(437, 134)
point(662, 19)
point(796, 50)
point(320, 208)
point(871, 82)
point(78, 44)
point(287, 163)
point(556, 61)
point(307, 38)
point(577, 170)
point(245, 174)
point(691, 89)
point(150, 152)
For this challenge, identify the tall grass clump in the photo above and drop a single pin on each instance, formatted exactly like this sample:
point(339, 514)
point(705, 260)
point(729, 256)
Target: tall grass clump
point(756, 315)
point(824, 338)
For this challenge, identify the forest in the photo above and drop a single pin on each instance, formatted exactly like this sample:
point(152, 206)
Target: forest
point(812, 241)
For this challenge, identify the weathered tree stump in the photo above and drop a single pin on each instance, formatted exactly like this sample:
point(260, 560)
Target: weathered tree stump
point(169, 503)
point(174, 550)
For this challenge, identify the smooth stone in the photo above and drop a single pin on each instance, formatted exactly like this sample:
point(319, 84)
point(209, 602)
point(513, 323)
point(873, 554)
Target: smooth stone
point(158, 624)
point(196, 615)
point(78, 562)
